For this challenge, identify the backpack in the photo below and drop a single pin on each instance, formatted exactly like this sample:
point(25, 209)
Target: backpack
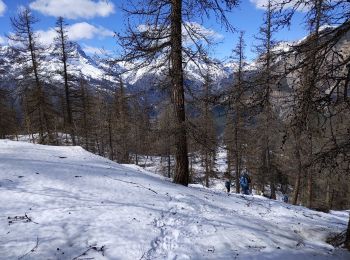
point(243, 181)
point(249, 180)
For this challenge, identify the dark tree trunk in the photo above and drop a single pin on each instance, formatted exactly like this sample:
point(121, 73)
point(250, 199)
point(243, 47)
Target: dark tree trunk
point(85, 111)
point(125, 157)
point(64, 58)
point(110, 138)
point(309, 189)
point(347, 83)
point(299, 173)
point(169, 165)
point(181, 168)
point(347, 239)
point(271, 172)
point(207, 171)
point(238, 173)
point(39, 91)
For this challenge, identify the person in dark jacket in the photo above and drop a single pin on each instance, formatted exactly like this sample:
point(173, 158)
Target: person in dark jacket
point(228, 185)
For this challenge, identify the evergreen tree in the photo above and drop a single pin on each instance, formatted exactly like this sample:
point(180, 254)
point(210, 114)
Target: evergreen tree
point(163, 38)
point(32, 85)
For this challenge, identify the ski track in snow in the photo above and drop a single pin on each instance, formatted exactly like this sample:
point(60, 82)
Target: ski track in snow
point(75, 201)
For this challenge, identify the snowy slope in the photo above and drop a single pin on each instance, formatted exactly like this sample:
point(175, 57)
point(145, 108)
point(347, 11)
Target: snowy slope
point(59, 202)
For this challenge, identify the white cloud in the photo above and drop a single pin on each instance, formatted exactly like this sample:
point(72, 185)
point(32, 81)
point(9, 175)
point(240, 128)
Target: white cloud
point(77, 31)
point(2, 8)
point(46, 37)
point(87, 31)
point(262, 4)
point(73, 9)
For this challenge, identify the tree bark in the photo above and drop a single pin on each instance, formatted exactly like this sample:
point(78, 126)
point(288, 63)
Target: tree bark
point(309, 189)
point(299, 173)
point(39, 91)
point(237, 154)
point(110, 138)
point(347, 239)
point(181, 168)
point(207, 169)
point(65, 76)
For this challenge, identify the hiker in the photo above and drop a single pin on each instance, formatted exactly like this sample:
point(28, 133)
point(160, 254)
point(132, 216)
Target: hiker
point(228, 185)
point(285, 198)
point(244, 182)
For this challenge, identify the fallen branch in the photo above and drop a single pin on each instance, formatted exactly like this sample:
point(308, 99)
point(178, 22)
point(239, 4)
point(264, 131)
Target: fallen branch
point(25, 218)
point(32, 250)
point(30, 219)
point(94, 248)
point(134, 183)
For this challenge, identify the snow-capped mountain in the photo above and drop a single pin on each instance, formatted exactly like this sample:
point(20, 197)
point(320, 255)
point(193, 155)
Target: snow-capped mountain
point(96, 70)
point(80, 64)
point(99, 74)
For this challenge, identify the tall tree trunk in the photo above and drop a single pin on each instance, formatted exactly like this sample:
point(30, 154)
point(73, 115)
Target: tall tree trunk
point(328, 195)
point(297, 185)
point(347, 84)
point(229, 164)
point(237, 171)
point(271, 174)
point(169, 165)
point(181, 168)
point(299, 172)
point(110, 138)
point(85, 111)
point(123, 125)
point(207, 171)
point(309, 189)
point(64, 58)
point(347, 239)
point(310, 172)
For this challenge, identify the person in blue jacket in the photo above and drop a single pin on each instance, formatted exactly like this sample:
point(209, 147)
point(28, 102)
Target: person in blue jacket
point(244, 182)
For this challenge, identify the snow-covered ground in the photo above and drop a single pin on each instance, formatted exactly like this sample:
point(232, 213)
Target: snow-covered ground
point(66, 203)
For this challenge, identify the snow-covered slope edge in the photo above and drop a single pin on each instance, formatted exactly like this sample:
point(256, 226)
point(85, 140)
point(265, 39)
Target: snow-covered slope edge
point(61, 202)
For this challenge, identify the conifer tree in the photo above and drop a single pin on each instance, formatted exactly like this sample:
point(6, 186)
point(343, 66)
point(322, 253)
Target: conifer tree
point(64, 50)
point(166, 21)
point(32, 84)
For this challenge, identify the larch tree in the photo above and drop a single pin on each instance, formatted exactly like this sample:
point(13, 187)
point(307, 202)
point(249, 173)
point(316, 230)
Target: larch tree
point(236, 110)
point(64, 50)
point(206, 134)
point(29, 56)
point(158, 38)
point(265, 83)
point(122, 123)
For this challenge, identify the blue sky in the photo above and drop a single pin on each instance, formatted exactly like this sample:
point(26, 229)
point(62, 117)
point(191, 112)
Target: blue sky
point(93, 22)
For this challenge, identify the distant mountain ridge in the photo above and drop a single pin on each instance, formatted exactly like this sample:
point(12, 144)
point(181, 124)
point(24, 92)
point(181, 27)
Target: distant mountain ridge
point(97, 72)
